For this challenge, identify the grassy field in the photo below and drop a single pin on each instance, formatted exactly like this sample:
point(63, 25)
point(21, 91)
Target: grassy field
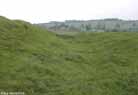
point(39, 62)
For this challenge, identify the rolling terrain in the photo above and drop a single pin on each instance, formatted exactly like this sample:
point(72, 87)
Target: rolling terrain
point(38, 62)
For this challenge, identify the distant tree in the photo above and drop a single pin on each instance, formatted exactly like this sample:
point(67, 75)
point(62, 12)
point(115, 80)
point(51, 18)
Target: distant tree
point(101, 26)
point(83, 28)
point(115, 30)
point(112, 19)
point(98, 26)
point(134, 24)
point(117, 26)
point(63, 25)
point(88, 27)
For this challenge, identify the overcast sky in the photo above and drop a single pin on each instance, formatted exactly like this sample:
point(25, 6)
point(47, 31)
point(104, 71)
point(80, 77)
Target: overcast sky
point(38, 11)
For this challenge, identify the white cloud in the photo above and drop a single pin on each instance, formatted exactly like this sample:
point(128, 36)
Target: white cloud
point(47, 10)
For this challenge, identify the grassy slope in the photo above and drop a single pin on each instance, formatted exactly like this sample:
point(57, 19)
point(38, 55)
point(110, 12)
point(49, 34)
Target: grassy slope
point(41, 63)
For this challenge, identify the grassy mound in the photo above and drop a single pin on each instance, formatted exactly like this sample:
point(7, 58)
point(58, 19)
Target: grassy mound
point(39, 62)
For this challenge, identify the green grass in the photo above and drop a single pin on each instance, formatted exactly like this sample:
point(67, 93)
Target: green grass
point(39, 62)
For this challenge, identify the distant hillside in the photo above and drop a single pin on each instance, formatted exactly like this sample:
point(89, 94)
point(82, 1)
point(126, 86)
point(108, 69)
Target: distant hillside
point(38, 62)
point(105, 25)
